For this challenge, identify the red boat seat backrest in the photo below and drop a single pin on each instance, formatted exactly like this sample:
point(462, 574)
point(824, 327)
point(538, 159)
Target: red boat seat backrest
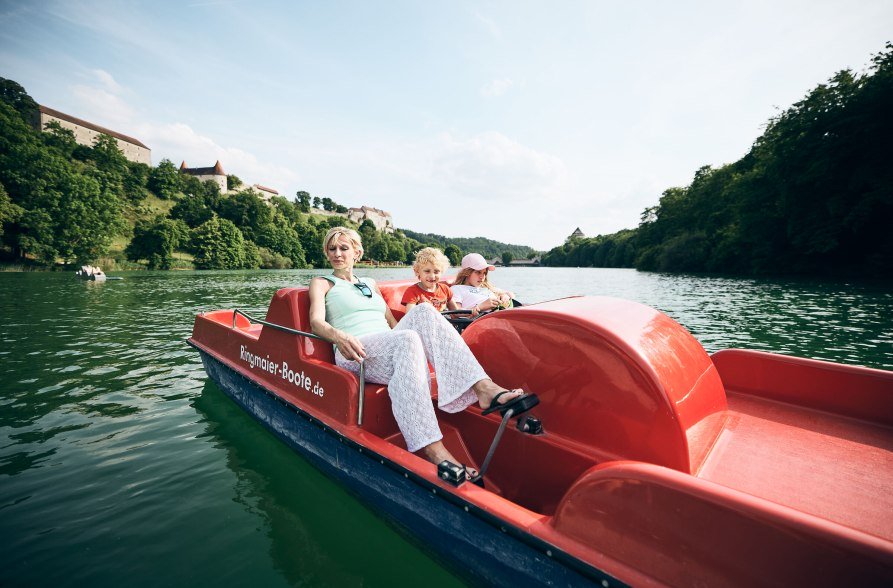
point(392, 292)
point(290, 307)
point(619, 377)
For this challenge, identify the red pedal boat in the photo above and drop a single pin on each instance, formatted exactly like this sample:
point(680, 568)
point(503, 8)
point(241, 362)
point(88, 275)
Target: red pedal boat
point(656, 463)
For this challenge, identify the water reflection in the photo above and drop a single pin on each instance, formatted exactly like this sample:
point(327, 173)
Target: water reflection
point(319, 535)
point(119, 464)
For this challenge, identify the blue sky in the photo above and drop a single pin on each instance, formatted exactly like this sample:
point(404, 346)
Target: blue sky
point(514, 120)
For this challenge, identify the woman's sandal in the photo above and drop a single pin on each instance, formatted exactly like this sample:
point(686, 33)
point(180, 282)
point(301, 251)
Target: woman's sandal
point(520, 404)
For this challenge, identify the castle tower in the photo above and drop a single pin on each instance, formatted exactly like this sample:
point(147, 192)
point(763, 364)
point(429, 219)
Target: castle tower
point(214, 173)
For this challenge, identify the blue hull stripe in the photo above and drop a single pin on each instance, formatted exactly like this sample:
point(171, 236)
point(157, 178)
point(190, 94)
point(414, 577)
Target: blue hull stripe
point(461, 536)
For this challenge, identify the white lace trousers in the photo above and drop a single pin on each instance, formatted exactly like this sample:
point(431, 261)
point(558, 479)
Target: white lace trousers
point(399, 358)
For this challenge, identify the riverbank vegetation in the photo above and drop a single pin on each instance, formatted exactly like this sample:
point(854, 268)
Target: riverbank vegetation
point(814, 195)
point(61, 202)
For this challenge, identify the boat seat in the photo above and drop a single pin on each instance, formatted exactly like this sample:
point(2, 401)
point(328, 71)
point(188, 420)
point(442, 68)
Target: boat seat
point(378, 417)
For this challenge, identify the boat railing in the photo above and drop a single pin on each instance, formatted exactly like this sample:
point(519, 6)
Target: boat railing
point(361, 376)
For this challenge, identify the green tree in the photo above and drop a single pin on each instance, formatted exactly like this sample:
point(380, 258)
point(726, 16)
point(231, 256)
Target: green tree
point(67, 210)
point(218, 244)
point(248, 212)
point(378, 250)
point(59, 138)
point(136, 180)
point(232, 182)
point(507, 257)
point(454, 254)
point(195, 209)
point(311, 242)
point(190, 184)
point(164, 180)
point(9, 212)
point(367, 231)
point(289, 210)
point(272, 260)
point(108, 156)
point(155, 241)
point(282, 239)
point(15, 95)
point(303, 200)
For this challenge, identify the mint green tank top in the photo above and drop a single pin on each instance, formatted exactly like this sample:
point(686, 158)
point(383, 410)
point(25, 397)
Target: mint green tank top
point(349, 310)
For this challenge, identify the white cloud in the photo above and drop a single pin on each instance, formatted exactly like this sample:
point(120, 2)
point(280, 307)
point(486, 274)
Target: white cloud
point(489, 24)
point(106, 79)
point(100, 100)
point(180, 142)
point(490, 165)
point(103, 106)
point(496, 88)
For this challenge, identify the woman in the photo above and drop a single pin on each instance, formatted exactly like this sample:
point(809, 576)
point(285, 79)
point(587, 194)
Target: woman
point(351, 313)
point(472, 290)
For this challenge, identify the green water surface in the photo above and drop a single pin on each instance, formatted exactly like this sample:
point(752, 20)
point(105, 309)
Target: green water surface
point(120, 464)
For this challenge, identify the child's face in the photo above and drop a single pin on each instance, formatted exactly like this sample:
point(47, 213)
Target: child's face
point(476, 277)
point(428, 275)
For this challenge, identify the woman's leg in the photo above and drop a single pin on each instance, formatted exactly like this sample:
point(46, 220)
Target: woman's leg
point(397, 358)
point(456, 367)
point(461, 380)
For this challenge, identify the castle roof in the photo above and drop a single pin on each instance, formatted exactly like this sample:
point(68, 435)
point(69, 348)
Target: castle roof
point(365, 208)
point(86, 124)
point(265, 189)
point(215, 170)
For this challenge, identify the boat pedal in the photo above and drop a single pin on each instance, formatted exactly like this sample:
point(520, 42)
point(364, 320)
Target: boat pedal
point(530, 424)
point(451, 473)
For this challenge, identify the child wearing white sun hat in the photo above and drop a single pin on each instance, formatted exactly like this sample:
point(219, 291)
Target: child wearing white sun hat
point(472, 290)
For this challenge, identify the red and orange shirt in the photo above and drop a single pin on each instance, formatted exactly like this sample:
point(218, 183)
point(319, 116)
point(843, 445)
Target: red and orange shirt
point(439, 298)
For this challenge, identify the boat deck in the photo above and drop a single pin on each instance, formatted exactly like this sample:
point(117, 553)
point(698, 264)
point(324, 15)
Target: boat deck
point(833, 467)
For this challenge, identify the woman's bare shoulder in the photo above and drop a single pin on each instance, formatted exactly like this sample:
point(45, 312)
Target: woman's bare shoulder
point(320, 283)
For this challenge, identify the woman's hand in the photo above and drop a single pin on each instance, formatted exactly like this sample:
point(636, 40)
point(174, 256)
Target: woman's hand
point(504, 300)
point(349, 346)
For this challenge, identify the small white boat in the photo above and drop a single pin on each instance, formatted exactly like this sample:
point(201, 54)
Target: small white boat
point(89, 272)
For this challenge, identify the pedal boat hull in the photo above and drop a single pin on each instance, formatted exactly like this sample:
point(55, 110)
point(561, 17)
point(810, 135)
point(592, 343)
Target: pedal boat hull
point(660, 465)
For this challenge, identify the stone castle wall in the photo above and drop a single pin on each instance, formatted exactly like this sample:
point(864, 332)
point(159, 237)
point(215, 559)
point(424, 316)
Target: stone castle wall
point(85, 136)
point(217, 179)
point(380, 218)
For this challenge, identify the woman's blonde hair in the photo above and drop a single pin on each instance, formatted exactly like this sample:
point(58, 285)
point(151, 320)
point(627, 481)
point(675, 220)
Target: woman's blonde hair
point(351, 235)
point(430, 255)
point(463, 274)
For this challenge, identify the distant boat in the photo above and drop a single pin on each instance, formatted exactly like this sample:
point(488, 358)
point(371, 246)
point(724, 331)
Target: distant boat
point(89, 272)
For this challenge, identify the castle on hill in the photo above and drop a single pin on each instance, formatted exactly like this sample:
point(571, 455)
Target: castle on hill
point(86, 132)
point(216, 174)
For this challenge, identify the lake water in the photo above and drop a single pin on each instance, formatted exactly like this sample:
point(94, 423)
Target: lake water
point(120, 464)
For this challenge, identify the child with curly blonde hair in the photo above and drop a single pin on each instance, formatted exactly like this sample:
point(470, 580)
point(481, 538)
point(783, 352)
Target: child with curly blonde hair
point(429, 265)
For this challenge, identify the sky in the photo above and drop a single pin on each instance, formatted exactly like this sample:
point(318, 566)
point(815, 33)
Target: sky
point(513, 120)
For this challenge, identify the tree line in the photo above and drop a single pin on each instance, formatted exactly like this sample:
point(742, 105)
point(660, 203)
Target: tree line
point(813, 195)
point(60, 200)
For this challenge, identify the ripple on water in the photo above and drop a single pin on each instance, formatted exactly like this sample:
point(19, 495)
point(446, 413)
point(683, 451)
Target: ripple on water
point(112, 443)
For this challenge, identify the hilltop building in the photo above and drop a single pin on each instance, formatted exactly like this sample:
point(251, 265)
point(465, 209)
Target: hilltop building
point(381, 219)
point(214, 173)
point(264, 192)
point(86, 132)
point(578, 234)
